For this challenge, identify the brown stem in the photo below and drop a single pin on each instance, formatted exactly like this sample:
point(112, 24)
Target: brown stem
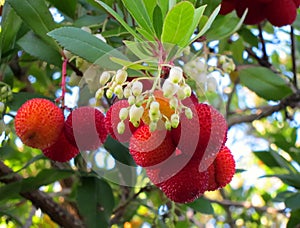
point(263, 44)
point(41, 200)
point(293, 52)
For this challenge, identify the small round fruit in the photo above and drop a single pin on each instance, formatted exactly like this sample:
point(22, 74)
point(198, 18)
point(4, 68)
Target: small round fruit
point(85, 128)
point(38, 123)
point(62, 150)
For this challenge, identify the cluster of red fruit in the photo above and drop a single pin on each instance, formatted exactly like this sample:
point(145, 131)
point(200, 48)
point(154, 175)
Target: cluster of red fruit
point(277, 12)
point(183, 162)
point(39, 123)
point(186, 161)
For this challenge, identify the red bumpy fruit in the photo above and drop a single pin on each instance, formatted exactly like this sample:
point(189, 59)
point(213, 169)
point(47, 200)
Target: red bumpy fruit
point(150, 148)
point(62, 150)
point(39, 123)
point(85, 128)
point(221, 170)
point(112, 119)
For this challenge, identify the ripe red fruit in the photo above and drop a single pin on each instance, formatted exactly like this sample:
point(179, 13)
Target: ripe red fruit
point(62, 150)
point(281, 12)
point(221, 170)
point(112, 119)
point(181, 185)
point(38, 123)
point(150, 148)
point(227, 6)
point(85, 128)
point(204, 134)
point(256, 11)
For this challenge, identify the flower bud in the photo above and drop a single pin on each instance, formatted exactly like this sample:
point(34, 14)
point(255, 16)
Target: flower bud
point(118, 90)
point(109, 93)
point(173, 103)
point(121, 127)
point(188, 113)
point(135, 114)
point(137, 88)
point(187, 90)
point(154, 107)
point(153, 126)
point(121, 76)
point(175, 120)
point(127, 92)
point(154, 116)
point(131, 100)
point(222, 59)
point(168, 125)
point(123, 114)
point(104, 78)
point(169, 88)
point(2, 107)
point(175, 74)
point(99, 93)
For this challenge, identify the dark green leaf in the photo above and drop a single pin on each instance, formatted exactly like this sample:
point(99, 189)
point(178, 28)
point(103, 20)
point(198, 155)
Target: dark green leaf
point(21, 97)
point(95, 201)
point(10, 191)
point(202, 205)
point(119, 151)
point(139, 12)
point(36, 15)
point(293, 201)
point(150, 5)
point(88, 20)
point(10, 26)
point(177, 23)
point(157, 21)
point(267, 158)
point(36, 47)
point(294, 220)
point(165, 6)
point(67, 7)
point(265, 83)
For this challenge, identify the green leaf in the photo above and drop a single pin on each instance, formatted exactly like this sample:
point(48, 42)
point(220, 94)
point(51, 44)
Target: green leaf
point(157, 21)
point(264, 83)
point(293, 201)
point(139, 12)
point(202, 205)
point(10, 26)
point(85, 45)
point(31, 161)
point(67, 7)
point(36, 47)
point(150, 5)
point(140, 49)
point(130, 64)
point(165, 6)
point(119, 19)
point(196, 20)
point(224, 26)
point(37, 16)
point(95, 201)
point(267, 158)
point(290, 179)
point(89, 20)
point(21, 97)
point(207, 24)
point(177, 23)
point(294, 220)
point(119, 151)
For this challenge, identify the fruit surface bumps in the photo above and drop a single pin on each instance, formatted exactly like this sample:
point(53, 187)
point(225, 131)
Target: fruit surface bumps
point(38, 123)
point(221, 170)
point(85, 128)
point(150, 148)
point(112, 119)
point(62, 150)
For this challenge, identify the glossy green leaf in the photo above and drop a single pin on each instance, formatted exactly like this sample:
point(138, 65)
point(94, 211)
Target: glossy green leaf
point(21, 97)
point(83, 44)
point(293, 201)
point(140, 49)
point(207, 24)
point(150, 5)
point(10, 26)
point(139, 12)
point(119, 19)
point(224, 26)
point(196, 20)
point(267, 158)
point(119, 151)
point(165, 6)
point(36, 47)
point(202, 205)
point(264, 83)
point(37, 16)
point(95, 201)
point(157, 21)
point(177, 23)
point(67, 7)
point(145, 34)
point(130, 64)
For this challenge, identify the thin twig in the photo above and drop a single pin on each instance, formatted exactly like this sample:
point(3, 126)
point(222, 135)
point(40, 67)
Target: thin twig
point(293, 53)
point(263, 44)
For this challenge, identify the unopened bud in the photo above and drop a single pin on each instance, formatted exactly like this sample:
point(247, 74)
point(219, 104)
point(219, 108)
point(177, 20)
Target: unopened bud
point(175, 120)
point(154, 107)
point(131, 100)
point(154, 116)
point(4, 89)
point(99, 93)
point(175, 74)
point(127, 92)
point(121, 76)
point(222, 59)
point(187, 90)
point(228, 66)
point(118, 90)
point(153, 126)
point(121, 127)
point(188, 113)
point(135, 114)
point(109, 93)
point(168, 125)
point(173, 103)
point(104, 78)
point(123, 114)
point(169, 88)
point(2, 107)
point(137, 88)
